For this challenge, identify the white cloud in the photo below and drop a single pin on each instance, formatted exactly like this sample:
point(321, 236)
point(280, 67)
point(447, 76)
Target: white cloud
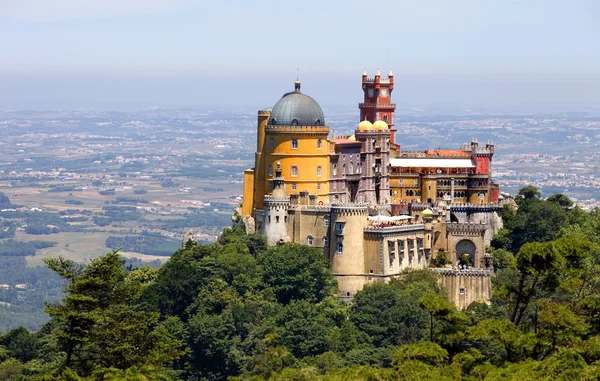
point(42, 10)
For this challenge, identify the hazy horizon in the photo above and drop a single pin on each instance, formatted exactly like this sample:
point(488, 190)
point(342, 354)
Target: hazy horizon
point(183, 53)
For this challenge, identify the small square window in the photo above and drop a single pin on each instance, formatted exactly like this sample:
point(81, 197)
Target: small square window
point(462, 291)
point(294, 186)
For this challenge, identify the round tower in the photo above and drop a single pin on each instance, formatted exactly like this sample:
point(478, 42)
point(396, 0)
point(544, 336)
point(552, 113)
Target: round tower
point(275, 215)
point(347, 256)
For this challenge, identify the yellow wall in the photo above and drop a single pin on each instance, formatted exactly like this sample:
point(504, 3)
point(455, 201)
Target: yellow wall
point(260, 169)
point(248, 192)
point(429, 190)
point(307, 157)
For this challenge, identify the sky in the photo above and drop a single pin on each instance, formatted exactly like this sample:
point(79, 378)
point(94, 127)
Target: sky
point(230, 54)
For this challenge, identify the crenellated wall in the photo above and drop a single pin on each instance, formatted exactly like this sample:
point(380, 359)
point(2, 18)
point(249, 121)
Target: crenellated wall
point(466, 286)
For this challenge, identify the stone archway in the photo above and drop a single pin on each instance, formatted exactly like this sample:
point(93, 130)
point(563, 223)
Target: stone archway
point(465, 252)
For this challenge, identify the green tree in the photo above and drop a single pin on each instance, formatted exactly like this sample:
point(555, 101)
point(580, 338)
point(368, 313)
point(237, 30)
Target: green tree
point(297, 272)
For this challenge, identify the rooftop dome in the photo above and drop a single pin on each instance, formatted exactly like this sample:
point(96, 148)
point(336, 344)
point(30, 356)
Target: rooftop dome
point(365, 125)
point(380, 125)
point(427, 213)
point(297, 109)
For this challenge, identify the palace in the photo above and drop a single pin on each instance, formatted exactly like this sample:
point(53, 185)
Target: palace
point(373, 208)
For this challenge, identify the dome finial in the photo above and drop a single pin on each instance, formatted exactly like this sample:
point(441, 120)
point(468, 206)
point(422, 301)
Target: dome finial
point(297, 86)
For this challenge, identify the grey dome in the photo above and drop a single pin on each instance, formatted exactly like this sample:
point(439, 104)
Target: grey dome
point(297, 109)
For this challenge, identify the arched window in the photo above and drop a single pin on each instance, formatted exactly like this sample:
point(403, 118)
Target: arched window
point(319, 143)
point(335, 169)
point(271, 143)
point(294, 171)
point(319, 171)
point(339, 248)
point(326, 220)
point(318, 122)
point(351, 168)
point(309, 240)
point(343, 169)
point(295, 122)
point(270, 169)
point(325, 241)
point(358, 168)
point(385, 118)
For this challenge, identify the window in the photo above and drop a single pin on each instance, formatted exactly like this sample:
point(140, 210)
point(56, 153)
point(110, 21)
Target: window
point(270, 169)
point(339, 228)
point(462, 291)
point(335, 169)
point(326, 220)
point(271, 186)
point(318, 186)
point(318, 122)
point(319, 143)
point(277, 219)
point(309, 240)
point(351, 168)
point(385, 118)
point(294, 171)
point(271, 143)
point(325, 241)
point(343, 169)
point(294, 143)
point(340, 248)
point(294, 186)
point(319, 171)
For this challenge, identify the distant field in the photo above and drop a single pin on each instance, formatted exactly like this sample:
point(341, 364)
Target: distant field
point(81, 247)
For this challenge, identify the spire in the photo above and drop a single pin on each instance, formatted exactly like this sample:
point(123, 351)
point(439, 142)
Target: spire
point(390, 74)
point(365, 72)
point(297, 86)
point(377, 73)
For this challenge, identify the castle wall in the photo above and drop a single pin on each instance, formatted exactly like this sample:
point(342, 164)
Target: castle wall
point(485, 215)
point(348, 265)
point(466, 286)
point(247, 206)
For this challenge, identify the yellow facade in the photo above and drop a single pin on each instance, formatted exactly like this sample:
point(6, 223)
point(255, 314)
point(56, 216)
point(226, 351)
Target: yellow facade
point(247, 205)
point(259, 160)
point(303, 153)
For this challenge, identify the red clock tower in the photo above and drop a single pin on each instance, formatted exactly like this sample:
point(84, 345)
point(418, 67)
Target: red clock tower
point(377, 103)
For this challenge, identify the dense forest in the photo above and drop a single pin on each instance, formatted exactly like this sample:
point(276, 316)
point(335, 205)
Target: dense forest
point(240, 310)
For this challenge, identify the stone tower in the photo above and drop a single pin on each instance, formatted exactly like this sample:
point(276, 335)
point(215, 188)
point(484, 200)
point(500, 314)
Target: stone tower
point(377, 100)
point(276, 205)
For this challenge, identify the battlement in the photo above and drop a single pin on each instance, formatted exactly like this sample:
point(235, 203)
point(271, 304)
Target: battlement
point(474, 272)
point(475, 208)
point(378, 105)
point(264, 112)
point(377, 230)
point(349, 209)
point(297, 129)
point(465, 227)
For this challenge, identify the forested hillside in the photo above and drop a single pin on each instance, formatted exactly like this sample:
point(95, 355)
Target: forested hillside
point(240, 310)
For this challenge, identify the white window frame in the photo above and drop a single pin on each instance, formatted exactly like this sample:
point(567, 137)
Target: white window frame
point(294, 143)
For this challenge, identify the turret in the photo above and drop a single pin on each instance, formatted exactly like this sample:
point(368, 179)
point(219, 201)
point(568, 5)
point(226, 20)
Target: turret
point(276, 206)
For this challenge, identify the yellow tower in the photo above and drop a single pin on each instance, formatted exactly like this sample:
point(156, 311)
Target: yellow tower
point(296, 137)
